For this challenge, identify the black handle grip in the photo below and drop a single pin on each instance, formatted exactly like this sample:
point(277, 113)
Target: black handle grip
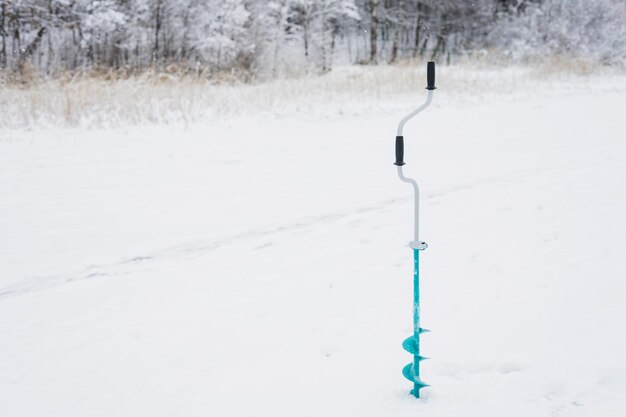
point(430, 77)
point(399, 151)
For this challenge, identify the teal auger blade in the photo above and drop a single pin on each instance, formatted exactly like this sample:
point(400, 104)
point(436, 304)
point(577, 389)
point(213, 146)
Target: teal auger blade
point(409, 374)
point(416, 391)
point(407, 371)
point(410, 346)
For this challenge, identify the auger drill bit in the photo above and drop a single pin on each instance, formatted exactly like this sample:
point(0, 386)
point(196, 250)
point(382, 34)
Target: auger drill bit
point(412, 344)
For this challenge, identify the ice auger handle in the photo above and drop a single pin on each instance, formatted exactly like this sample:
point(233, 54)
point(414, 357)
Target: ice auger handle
point(399, 151)
point(430, 77)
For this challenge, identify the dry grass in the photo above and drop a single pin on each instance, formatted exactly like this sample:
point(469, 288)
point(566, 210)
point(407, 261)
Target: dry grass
point(105, 100)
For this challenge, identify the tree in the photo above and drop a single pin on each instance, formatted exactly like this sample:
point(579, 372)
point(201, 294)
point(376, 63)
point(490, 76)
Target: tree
point(320, 21)
point(3, 34)
point(372, 9)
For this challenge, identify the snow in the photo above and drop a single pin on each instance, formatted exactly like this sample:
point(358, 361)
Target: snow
point(259, 266)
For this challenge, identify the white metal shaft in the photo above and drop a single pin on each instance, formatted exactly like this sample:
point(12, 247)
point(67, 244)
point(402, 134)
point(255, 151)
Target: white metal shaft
point(416, 190)
point(416, 212)
point(414, 113)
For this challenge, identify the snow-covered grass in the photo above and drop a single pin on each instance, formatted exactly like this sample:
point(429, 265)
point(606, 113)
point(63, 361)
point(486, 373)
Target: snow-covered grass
point(166, 99)
point(256, 266)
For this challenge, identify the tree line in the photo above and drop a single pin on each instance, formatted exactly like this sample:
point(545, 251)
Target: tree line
point(273, 37)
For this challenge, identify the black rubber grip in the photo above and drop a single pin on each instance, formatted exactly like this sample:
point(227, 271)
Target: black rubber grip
point(430, 77)
point(399, 151)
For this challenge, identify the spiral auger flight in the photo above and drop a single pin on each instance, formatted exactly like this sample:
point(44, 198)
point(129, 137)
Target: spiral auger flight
point(412, 344)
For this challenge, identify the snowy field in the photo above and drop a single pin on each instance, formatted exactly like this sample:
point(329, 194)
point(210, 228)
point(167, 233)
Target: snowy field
point(258, 266)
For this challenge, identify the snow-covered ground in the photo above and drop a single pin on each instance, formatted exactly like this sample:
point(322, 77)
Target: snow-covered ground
point(258, 266)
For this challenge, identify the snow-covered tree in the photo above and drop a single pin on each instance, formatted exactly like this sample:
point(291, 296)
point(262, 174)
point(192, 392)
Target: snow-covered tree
point(274, 37)
point(592, 29)
point(319, 22)
point(221, 34)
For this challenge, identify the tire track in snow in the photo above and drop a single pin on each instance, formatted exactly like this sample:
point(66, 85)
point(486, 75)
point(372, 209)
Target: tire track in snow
point(185, 252)
point(200, 248)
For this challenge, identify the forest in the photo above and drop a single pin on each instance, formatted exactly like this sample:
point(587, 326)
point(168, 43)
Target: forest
point(256, 39)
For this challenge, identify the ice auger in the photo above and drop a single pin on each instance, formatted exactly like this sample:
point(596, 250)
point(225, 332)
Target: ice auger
point(412, 344)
